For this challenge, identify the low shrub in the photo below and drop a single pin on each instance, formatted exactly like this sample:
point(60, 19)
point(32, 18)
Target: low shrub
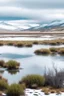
point(32, 80)
point(2, 63)
point(1, 44)
point(54, 78)
point(46, 93)
point(42, 52)
point(3, 85)
point(53, 43)
point(53, 50)
point(38, 52)
point(28, 45)
point(23, 85)
point(52, 91)
point(15, 90)
point(50, 51)
point(19, 45)
point(58, 92)
point(35, 42)
point(10, 43)
point(61, 51)
point(11, 64)
point(45, 89)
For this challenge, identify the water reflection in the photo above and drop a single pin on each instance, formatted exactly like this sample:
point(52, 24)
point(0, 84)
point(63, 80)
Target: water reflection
point(14, 56)
point(31, 63)
point(12, 72)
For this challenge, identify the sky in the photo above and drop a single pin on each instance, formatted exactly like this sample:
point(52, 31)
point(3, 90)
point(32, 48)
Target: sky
point(37, 10)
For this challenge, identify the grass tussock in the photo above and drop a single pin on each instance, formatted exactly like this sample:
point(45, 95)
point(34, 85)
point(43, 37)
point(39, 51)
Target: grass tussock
point(50, 51)
point(23, 43)
point(10, 65)
point(15, 90)
point(33, 81)
point(43, 52)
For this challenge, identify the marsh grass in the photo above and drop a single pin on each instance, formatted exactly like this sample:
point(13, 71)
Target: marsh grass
point(2, 63)
point(11, 64)
point(28, 45)
point(50, 51)
point(32, 81)
point(15, 90)
point(43, 52)
point(21, 43)
point(61, 51)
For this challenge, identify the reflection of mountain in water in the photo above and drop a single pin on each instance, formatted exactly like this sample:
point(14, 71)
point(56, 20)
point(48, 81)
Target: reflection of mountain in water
point(14, 56)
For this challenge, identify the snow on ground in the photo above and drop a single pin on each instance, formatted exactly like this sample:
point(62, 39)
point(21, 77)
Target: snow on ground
point(33, 92)
point(28, 38)
point(24, 38)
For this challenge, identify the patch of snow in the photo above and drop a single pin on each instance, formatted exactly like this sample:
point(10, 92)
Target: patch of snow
point(33, 92)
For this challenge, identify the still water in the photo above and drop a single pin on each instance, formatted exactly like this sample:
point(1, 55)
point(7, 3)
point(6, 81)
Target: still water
point(29, 62)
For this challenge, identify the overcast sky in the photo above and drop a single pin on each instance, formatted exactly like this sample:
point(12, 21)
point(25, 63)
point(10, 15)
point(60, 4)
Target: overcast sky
point(40, 10)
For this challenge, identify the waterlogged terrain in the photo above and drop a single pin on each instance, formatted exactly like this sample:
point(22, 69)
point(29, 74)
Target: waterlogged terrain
point(30, 37)
point(29, 62)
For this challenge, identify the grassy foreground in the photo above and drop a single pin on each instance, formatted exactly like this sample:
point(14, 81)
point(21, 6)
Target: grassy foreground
point(30, 43)
point(49, 83)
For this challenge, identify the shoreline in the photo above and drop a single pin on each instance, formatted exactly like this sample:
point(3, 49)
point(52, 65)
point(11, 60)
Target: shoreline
point(30, 35)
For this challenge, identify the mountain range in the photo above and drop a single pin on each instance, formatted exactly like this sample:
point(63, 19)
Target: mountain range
point(32, 26)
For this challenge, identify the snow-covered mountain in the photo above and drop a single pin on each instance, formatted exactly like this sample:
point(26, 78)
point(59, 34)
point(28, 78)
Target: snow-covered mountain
point(52, 25)
point(19, 25)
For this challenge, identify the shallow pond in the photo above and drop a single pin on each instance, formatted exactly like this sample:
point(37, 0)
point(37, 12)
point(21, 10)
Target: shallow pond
point(29, 62)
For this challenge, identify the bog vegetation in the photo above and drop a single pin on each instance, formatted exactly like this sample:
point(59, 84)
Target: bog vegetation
point(50, 51)
point(10, 65)
point(30, 43)
point(51, 82)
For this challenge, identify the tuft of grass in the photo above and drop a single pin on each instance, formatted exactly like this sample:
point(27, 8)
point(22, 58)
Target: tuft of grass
point(2, 63)
point(42, 52)
point(11, 64)
point(15, 90)
point(61, 51)
point(3, 85)
point(33, 81)
point(1, 44)
point(10, 43)
point(35, 42)
point(53, 50)
point(19, 44)
point(46, 92)
point(28, 45)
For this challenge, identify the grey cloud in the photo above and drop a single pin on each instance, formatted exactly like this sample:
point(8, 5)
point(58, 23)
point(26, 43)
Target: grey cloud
point(34, 4)
point(40, 3)
point(32, 9)
point(33, 14)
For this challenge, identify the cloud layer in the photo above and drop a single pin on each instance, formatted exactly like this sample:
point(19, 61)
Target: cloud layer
point(40, 10)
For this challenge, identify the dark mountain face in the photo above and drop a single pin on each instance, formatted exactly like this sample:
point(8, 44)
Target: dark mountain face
point(52, 25)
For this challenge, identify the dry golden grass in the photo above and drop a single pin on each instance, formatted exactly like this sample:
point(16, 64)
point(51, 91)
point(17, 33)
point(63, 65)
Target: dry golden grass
point(48, 90)
point(50, 51)
point(51, 42)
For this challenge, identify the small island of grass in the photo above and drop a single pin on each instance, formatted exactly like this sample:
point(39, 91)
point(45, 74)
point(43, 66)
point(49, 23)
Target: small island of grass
point(10, 65)
point(50, 51)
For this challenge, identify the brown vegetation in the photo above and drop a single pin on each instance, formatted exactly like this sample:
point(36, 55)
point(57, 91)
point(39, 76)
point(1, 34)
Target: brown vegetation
point(50, 51)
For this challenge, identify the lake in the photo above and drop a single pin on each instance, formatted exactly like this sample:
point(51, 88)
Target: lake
point(29, 62)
